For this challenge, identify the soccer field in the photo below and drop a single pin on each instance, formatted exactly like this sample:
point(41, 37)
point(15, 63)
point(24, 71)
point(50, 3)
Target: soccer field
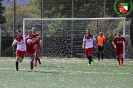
point(66, 73)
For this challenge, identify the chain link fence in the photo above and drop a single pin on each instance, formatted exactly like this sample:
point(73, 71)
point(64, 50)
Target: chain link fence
point(58, 34)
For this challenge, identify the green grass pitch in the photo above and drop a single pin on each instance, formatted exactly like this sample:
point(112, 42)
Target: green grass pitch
point(66, 73)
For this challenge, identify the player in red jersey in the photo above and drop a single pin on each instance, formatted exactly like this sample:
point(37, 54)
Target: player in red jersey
point(21, 48)
point(36, 45)
point(30, 47)
point(118, 45)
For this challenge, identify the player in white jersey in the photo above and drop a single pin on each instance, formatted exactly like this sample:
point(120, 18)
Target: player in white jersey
point(21, 48)
point(88, 46)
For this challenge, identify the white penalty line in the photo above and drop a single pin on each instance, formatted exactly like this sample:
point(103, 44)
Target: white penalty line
point(69, 72)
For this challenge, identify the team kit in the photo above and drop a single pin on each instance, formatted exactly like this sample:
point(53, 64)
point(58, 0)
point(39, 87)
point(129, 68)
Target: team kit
point(31, 43)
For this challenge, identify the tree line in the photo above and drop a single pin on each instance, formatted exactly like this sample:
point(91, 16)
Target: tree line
point(61, 9)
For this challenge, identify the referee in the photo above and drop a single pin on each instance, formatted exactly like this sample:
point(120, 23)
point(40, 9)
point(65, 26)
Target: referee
point(101, 41)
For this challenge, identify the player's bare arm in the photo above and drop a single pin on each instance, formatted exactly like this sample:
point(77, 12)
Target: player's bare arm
point(95, 41)
point(35, 39)
point(113, 44)
point(83, 45)
point(40, 42)
point(104, 42)
point(126, 43)
point(14, 43)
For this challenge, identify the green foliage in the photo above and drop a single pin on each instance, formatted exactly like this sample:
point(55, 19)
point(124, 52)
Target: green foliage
point(35, 3)
point(82, 8)
point(6, 42)
point(63, 9)
point(23, 12)
point(8, 52)
point(2, 18)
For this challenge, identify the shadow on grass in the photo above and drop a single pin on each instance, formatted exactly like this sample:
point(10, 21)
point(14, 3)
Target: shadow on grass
point(47, 72)
point(108, 66)
point(50, 66)
point(125, 65)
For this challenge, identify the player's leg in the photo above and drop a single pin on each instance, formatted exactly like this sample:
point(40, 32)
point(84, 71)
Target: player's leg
point(17, 59)
point(21, 57)
point(102, 55)
point(17, 63)
point(87, 56)
point(121, 60)
point(36, 48)
point(118, 59)
point(32, 62)
point(38, 58)
point(117, 56)
point(89, 52)
point(98, 55)
point(121, 56)
point(32, 56)
point(102, 48)
point(35, 60)
point(37, 54)
point(89, 59)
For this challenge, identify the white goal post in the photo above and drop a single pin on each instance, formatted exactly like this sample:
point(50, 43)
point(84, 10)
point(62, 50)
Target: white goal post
point(76, 19)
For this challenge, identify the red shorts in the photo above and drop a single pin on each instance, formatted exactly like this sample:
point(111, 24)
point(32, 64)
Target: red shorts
point(20, 53)
point(88, 51)
point(30, 52)
point(38, 43)
point(119, 51)
point(36, 47)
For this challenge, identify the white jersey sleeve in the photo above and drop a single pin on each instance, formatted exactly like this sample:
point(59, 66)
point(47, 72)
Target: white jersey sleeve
point(14, 41)
point(84, 39)
point(94, 38)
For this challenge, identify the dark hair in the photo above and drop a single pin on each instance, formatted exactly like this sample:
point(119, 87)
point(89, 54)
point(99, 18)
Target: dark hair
point(29, 31)
point(87, 29)
point(34, 28)
point(19, 30)
point(120, 32)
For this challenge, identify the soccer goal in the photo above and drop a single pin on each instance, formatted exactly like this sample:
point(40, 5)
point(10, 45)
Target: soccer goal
point(62, 37)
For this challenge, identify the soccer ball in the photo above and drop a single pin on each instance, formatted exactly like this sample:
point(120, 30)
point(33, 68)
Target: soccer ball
point(29, 41)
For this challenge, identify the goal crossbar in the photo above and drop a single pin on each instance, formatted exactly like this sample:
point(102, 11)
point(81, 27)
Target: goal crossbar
point(113, 18)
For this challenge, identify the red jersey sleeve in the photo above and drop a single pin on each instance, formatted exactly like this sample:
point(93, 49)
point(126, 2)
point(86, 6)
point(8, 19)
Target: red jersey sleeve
point(124, 39)
point(114, 40)
point(35, 35)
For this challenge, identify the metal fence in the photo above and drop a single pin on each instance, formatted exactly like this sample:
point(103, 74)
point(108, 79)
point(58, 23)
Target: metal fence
point(54, 9)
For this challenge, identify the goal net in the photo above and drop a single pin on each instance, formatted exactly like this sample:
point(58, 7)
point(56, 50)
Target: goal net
point(62, 37)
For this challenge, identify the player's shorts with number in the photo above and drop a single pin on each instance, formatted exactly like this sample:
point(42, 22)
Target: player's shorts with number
point(88, 51)
point(20, 53)
point(119, 50)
